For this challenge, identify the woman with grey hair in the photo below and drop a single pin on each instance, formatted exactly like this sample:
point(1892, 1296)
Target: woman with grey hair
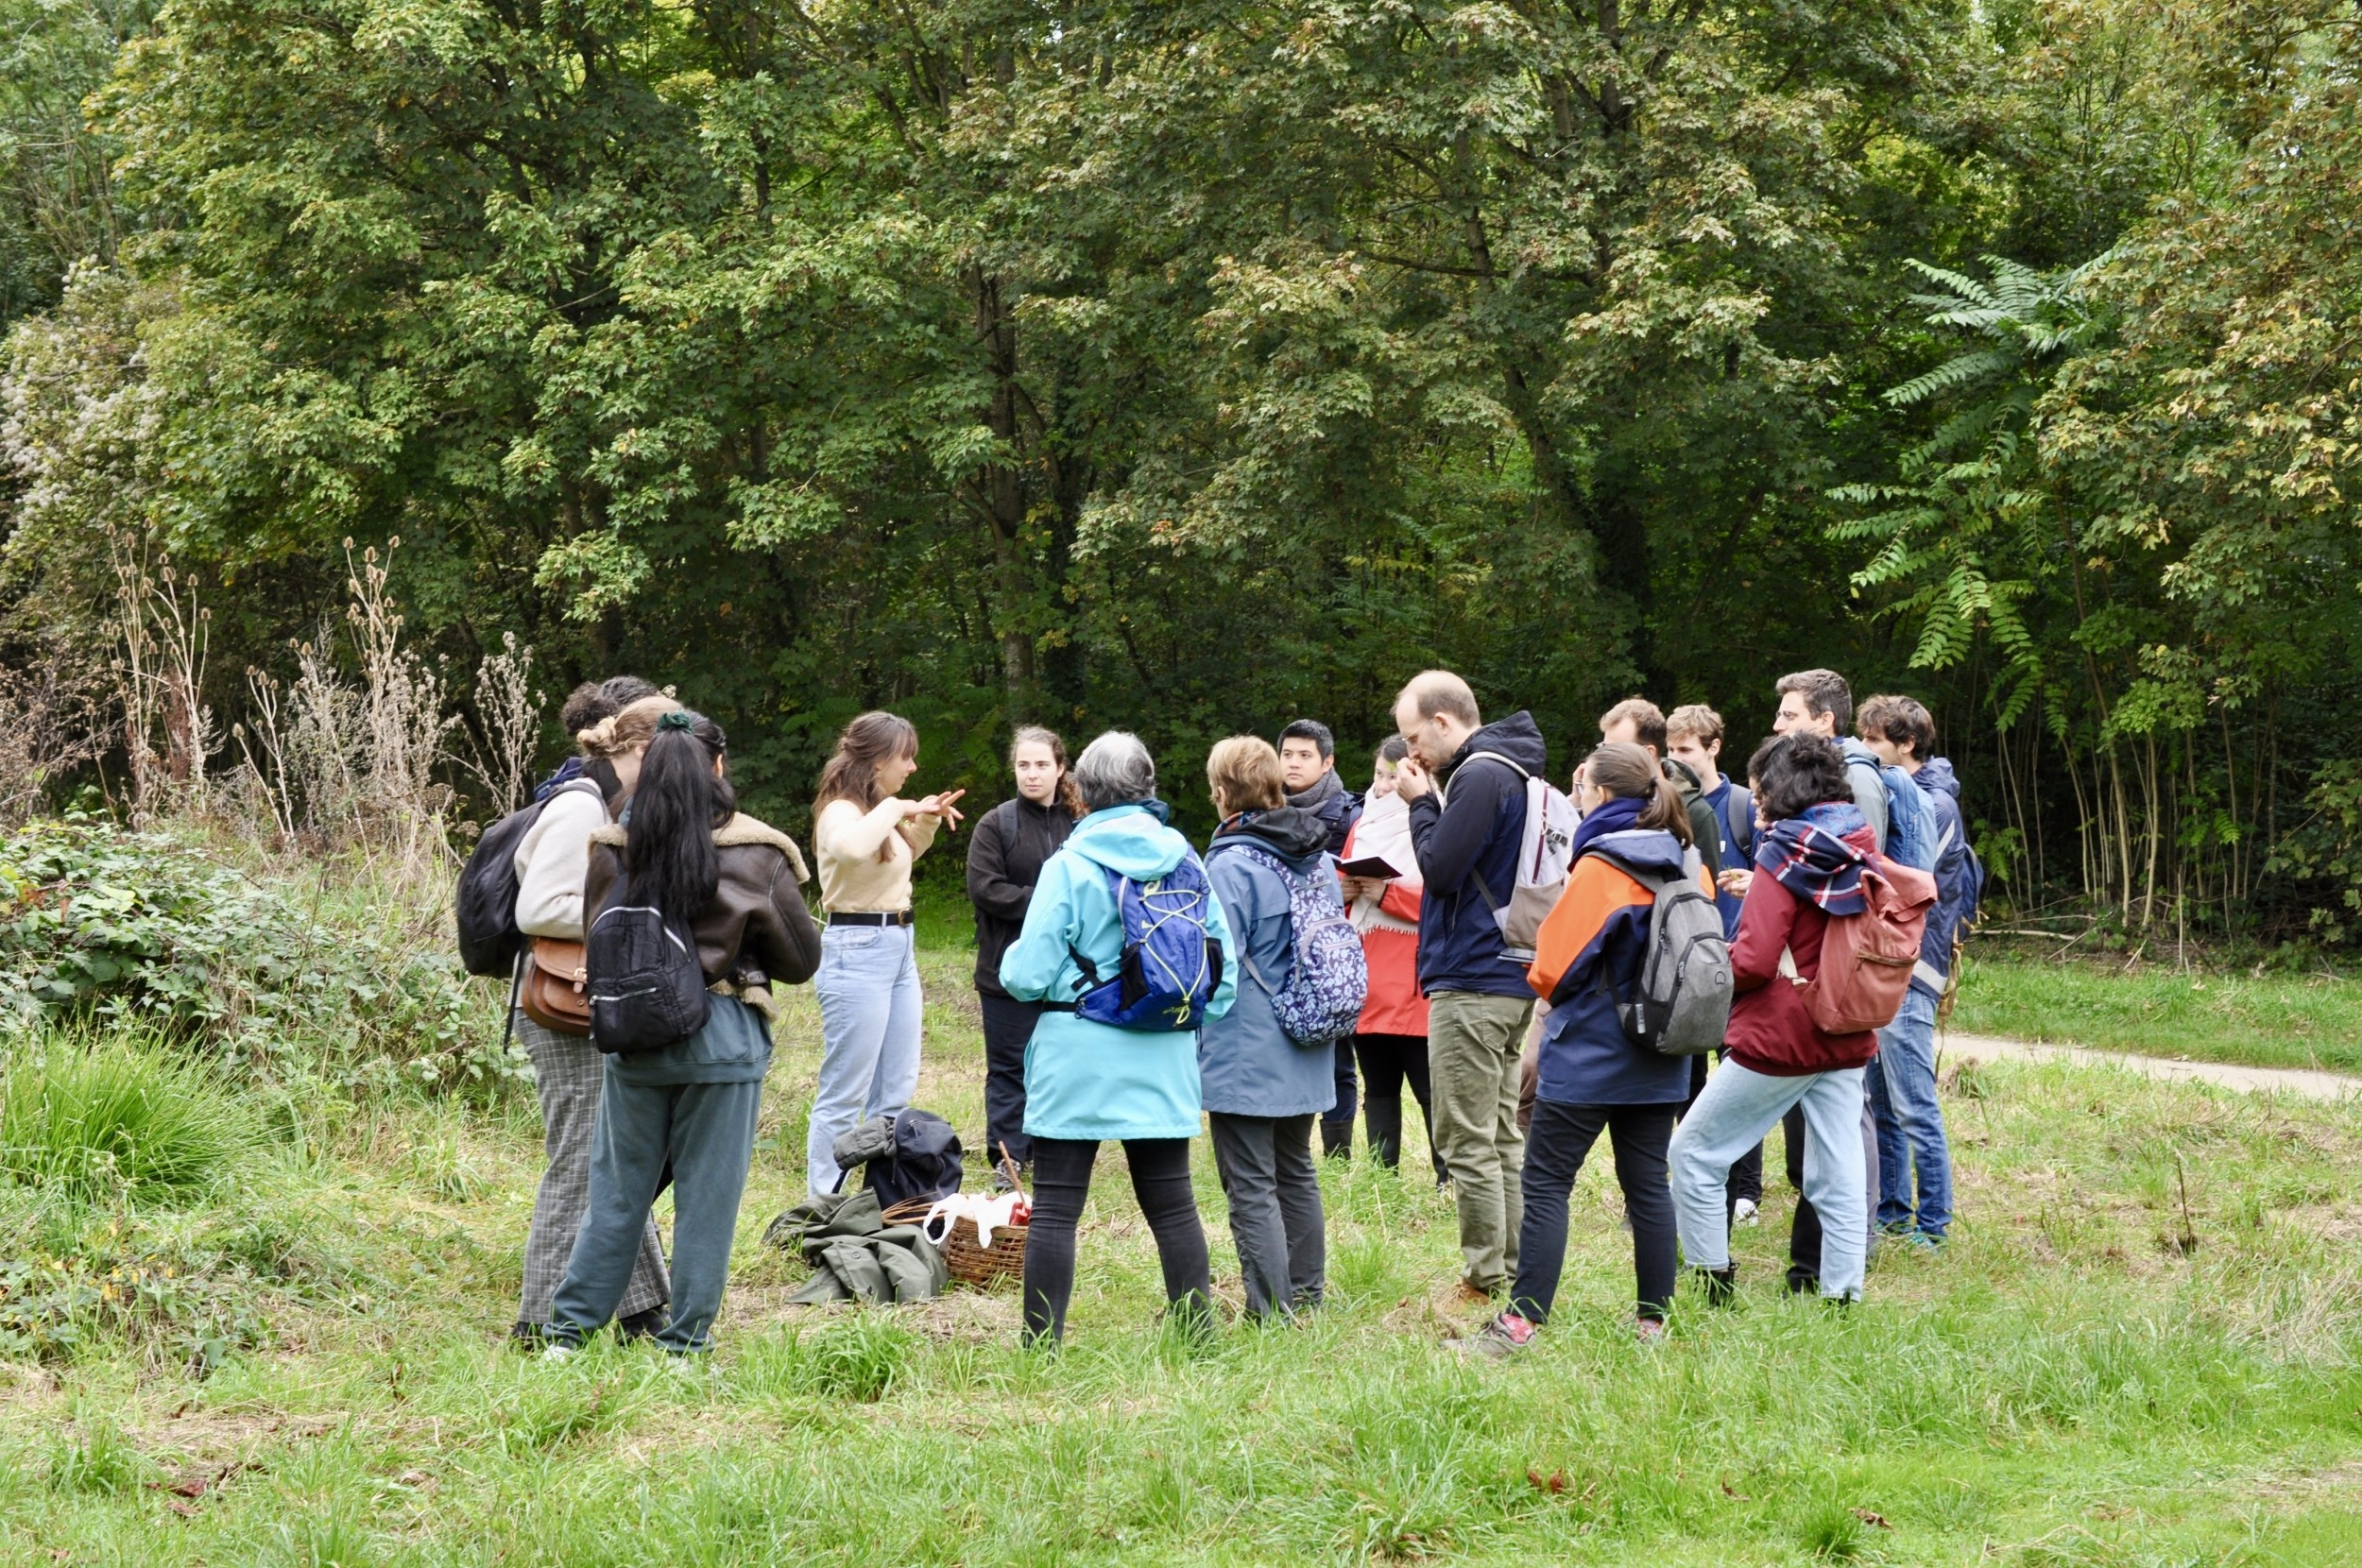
point(1087, 1081)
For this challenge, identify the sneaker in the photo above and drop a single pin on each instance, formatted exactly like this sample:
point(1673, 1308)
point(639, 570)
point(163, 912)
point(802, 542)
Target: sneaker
point(557, 1353)
point(1505, 1335)
point(1649, 1331)
point(1746, 1211)
point(1923, 1241)
point(526, 1336)
point(1720, 1285)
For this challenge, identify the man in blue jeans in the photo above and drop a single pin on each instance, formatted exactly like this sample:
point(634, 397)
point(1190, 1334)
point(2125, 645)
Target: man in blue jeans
point(1903, 1078)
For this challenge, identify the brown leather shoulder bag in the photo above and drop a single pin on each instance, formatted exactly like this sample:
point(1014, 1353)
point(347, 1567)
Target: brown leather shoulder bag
point(555, 990)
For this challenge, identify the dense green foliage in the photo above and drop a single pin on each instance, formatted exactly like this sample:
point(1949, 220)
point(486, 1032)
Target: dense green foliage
point(264, 974)
point(1192, 366)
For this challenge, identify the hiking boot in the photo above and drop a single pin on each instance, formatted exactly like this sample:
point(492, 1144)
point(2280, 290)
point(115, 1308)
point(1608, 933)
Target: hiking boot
point(1746, 1211)
point(1464, 1294)
point(1381, 1119)
point(642, 1325)
point(1504, 1337)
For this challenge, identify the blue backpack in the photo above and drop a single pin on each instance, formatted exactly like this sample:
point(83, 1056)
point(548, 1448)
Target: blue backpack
point(1170, 966)
point(1910, 821)
point(1329, 978)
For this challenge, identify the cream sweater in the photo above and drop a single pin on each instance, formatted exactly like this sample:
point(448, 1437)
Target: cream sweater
point(846, 840)
point(552, 864)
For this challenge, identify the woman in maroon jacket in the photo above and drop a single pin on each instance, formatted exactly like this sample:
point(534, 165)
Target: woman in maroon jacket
point(1811, 849)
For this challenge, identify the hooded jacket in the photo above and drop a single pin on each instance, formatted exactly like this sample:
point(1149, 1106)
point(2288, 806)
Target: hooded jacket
point(1705, 824)
point(754, 935)
point(1245, 1061)
point(1735, 816)
point(1086, 1079)
point(1466, 831)
point(1942, 786)
point(1005, 854)
point(1769, 1031)
point(1329, 800)
point(1587, 960)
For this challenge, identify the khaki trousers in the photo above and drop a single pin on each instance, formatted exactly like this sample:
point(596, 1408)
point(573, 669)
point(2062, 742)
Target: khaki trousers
point(1473, 1046)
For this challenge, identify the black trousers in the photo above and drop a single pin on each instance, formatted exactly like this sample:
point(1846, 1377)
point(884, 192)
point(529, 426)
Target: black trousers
point(1556, 1145)
point(1337, 1121)
point(1388, 1063)
point(1804, 1232)
point(1160, 1180)
point(1746, 1177)
point(1009, 1028)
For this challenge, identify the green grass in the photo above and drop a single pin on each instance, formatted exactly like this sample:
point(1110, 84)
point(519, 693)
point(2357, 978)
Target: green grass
point(2065, 1385)
point(2277, 1020)
point(93, 1117)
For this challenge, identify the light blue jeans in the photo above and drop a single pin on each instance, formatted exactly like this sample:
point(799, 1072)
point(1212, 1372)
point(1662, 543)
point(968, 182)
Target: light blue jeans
point(869, 1015)
point(1733, 1112)
point(1910, 1123)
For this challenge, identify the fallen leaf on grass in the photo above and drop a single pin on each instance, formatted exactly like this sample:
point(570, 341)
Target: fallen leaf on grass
point(1876, 1521)
point(1554, 1484)
point(1730, 1491)
point(186, 1511)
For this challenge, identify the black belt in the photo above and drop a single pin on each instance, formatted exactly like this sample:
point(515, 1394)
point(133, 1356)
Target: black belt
point(899, 917)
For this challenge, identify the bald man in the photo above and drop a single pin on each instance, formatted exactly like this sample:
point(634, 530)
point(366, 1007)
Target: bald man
point(1465, 783)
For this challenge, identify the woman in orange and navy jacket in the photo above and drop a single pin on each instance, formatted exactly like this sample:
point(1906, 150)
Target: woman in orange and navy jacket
point(1594, 1080)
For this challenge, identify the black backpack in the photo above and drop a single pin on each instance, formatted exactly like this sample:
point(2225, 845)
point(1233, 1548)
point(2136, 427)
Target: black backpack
point(647, 990)
point(487, 902)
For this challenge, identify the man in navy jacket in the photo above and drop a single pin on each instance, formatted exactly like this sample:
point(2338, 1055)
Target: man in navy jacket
point(1903, 1078)
point(1465, 783)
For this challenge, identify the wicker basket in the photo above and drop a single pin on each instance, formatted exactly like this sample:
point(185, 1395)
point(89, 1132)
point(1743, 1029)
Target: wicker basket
point(982, 1265)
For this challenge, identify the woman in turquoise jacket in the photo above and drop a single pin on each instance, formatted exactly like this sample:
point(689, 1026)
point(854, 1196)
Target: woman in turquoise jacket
point(1087, 1081)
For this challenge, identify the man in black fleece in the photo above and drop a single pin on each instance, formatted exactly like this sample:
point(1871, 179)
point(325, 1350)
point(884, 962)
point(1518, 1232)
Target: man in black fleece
point(1307, 762)
point(1465, 783)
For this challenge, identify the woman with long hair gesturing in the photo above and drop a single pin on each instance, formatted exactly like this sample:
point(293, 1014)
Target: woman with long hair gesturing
point(867, 837)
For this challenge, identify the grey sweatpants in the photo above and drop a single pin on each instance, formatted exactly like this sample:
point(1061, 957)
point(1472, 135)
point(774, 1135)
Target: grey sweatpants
point(1275, 1195)
point(567, 1073)
point(706, 1132)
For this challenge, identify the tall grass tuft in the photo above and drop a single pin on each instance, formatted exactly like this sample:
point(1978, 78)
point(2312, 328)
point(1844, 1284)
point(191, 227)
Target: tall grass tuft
point(116, 1117)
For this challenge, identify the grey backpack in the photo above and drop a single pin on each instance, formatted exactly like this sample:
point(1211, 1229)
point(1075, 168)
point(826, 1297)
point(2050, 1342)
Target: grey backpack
point(1681, 999)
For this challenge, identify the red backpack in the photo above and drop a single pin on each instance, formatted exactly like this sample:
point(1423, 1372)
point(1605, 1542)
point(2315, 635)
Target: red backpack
point(1867, 959)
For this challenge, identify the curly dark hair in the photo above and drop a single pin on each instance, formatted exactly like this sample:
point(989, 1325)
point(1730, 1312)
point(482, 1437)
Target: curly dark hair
point(1791, 773)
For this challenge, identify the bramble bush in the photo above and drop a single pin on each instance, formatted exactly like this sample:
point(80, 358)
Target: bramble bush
point(352, 980)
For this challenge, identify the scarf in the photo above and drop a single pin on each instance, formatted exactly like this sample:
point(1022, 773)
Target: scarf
point(1809, 857)
point(1613, 816)
point(1317, 794)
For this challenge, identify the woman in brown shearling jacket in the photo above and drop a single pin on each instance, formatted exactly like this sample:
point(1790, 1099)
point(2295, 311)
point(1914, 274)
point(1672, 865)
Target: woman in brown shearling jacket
point(690, 1106)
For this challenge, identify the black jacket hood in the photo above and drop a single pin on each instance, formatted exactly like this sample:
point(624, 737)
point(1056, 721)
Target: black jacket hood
point(1291, 833)
point(1516, 737)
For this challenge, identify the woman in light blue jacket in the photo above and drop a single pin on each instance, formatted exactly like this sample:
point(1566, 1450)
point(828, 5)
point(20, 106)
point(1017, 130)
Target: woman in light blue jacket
point(1087, 1081)
point(1262, 1090)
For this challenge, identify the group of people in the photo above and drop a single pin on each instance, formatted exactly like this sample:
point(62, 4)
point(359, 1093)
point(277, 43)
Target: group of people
point(1516, 1056)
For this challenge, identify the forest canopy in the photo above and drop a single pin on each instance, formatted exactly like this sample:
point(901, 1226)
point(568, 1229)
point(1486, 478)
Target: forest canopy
point(1194, 366)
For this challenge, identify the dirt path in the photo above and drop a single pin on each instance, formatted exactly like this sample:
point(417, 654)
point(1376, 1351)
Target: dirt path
point(2304, 1083)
